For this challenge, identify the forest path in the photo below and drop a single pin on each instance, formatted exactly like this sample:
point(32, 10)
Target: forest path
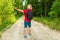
point(39, 32)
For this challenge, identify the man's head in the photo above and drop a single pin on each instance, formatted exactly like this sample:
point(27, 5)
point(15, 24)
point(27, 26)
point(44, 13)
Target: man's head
point(29, 6)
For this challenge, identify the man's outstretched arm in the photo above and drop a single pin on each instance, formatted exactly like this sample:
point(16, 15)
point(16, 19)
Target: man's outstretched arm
point(18, 9)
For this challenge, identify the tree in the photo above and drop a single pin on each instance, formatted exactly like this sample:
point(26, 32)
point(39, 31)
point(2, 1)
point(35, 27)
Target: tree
point(46, 6)
point(55, 10)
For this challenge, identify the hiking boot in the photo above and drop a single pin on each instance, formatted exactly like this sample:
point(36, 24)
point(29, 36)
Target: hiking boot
point(25, 36)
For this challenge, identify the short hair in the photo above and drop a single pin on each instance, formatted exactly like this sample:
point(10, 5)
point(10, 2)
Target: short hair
point(29, 5)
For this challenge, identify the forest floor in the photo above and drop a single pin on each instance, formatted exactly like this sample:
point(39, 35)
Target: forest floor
point(39, 32)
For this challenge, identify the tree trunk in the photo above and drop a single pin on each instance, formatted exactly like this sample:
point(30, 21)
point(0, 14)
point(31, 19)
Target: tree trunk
point(45, 8)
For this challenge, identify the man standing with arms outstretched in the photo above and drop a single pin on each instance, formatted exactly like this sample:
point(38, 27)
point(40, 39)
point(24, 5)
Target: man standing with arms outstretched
point(27, 20)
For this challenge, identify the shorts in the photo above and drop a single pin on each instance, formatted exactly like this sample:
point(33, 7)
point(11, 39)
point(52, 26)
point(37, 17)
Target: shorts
point(27, 24)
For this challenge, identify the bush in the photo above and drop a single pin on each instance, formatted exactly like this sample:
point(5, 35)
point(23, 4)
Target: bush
point(7, 14)
point(55, 9)
point(52, 14)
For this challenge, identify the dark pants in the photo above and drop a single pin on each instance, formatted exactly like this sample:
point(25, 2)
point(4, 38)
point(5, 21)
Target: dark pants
point(27, 24)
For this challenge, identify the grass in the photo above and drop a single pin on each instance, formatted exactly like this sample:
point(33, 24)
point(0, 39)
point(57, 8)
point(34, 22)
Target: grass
point(52, 23)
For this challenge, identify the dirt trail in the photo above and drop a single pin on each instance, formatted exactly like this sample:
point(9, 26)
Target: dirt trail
point(39, 32)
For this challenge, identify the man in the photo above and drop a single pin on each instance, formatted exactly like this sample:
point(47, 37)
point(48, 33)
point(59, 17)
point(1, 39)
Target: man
point(27, 22)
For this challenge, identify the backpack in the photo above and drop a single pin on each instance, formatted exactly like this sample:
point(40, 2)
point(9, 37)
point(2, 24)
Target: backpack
point(29, 15)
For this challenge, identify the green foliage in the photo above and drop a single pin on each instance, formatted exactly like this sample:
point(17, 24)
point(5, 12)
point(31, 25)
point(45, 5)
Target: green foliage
point(7, 14)
point(52, 23)
point(18, 4)
point(55, 10)
point(52, 14)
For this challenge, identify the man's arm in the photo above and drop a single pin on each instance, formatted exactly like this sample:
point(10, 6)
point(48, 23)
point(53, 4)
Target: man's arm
point(18, 9)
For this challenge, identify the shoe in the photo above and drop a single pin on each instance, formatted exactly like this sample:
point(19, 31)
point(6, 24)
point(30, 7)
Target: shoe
point(25, 36)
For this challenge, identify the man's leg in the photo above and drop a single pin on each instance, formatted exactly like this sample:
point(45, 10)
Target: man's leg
point(29, 29)
point(25, 30)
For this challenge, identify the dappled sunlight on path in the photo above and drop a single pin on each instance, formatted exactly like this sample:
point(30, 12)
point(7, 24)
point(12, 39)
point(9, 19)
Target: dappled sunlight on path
point(39, 32)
